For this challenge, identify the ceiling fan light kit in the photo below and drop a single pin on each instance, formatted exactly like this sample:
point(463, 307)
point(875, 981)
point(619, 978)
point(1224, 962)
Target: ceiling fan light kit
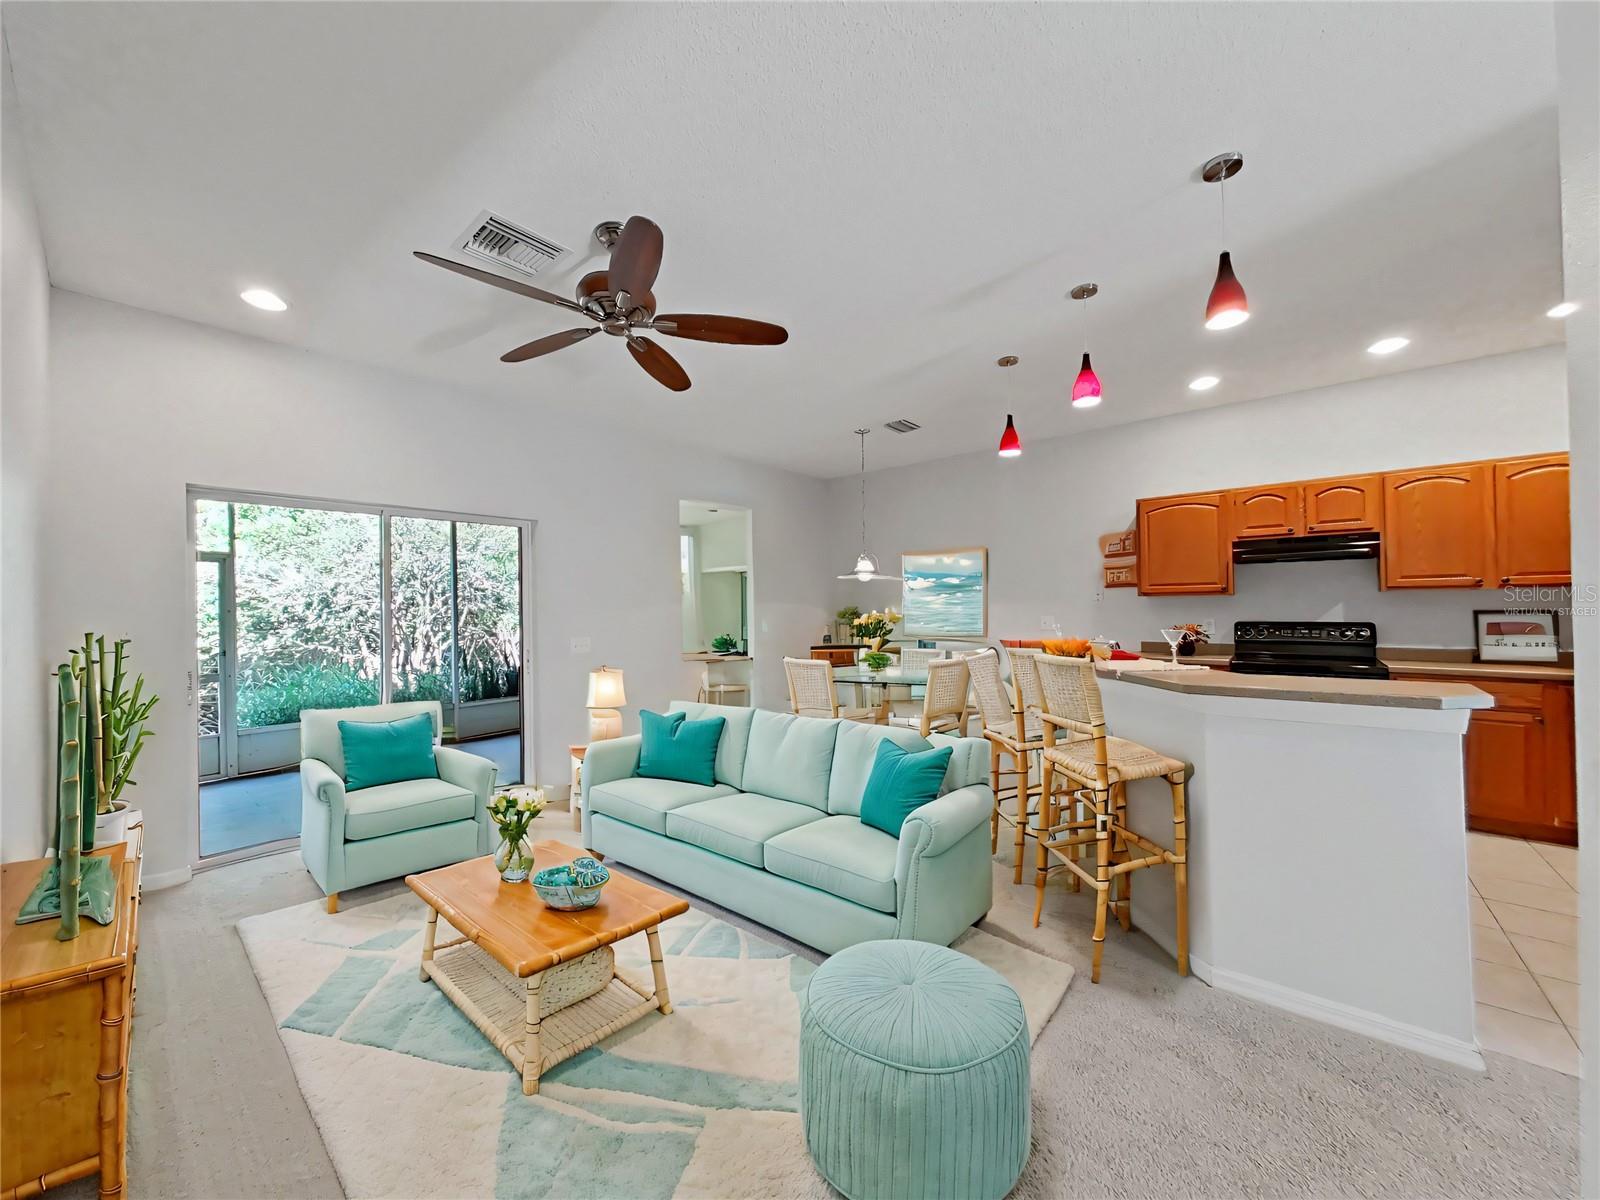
point(1227, 305)
point(621, 302)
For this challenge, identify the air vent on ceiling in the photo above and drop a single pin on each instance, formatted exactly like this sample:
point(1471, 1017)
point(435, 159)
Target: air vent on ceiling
point(903, 426)
point(495, 240)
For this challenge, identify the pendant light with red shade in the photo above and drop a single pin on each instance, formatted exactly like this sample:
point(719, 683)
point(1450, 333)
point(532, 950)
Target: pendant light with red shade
point(1227, 306)
point(1086, 387)
point(1010, 440)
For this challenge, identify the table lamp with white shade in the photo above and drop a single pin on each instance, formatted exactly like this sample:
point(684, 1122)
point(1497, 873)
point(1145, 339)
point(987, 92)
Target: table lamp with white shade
point(605, 696)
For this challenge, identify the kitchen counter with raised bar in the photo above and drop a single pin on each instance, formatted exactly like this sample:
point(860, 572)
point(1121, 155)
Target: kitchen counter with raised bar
point(1443, 664)
point(1327, 845)
point(1377, 692)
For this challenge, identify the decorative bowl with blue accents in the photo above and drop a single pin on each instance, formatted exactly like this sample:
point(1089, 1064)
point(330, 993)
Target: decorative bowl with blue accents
point(571, 886)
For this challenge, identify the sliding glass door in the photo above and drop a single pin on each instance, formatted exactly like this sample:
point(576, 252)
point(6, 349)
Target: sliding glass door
point(305, 605)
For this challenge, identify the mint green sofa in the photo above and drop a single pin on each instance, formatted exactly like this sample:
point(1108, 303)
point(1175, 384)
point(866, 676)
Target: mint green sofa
point(349, 839)
point(778, 837)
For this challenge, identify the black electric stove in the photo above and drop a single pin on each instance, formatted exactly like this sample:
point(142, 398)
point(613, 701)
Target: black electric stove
point(1346, 649)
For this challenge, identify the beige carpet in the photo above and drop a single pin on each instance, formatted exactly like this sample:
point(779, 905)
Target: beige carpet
point(1144, 1085)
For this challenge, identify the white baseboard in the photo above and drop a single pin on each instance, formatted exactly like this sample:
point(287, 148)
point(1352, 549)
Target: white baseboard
point(1357, 1020)
point(154, 883)
point(1198, 967)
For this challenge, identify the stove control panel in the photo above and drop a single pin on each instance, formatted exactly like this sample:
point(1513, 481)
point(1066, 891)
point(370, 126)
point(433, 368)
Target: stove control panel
point(1305, 633)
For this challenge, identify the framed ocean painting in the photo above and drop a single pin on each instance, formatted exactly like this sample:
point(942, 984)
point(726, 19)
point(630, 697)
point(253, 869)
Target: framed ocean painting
point(945, 593)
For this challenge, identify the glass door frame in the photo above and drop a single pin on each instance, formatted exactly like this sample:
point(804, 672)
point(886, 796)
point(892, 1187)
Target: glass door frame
point(528, 705)
point(227, 726)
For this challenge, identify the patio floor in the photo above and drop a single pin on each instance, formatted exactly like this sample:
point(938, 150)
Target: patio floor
point(236, 813)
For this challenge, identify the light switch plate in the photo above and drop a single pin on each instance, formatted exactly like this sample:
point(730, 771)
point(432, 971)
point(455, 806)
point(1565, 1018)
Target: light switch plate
point(580, 645)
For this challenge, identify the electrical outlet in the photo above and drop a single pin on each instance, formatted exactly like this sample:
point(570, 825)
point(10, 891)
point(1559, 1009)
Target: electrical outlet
point(1099, 595)
point(580, 645)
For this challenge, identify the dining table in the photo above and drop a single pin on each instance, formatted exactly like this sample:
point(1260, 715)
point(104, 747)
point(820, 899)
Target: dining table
point(863, 680)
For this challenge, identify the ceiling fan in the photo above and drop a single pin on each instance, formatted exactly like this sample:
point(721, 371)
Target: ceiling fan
point(620, 302)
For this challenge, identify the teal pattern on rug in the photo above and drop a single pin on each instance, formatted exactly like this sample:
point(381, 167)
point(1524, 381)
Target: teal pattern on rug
point(615, 1125)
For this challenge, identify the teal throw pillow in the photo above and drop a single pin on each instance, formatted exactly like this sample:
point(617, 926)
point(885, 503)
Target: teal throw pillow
point(674, 747)
point(901, 781)
point(377, 752)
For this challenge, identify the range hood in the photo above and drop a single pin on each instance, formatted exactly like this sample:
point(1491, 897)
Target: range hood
point(1316, 548)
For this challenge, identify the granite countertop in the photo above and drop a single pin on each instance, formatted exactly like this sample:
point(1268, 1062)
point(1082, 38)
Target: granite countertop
point(1401, 660)
point(1382, 693)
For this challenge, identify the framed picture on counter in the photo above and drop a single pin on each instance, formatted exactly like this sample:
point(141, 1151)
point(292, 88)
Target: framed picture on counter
point(1523, 636)
point(945, 593)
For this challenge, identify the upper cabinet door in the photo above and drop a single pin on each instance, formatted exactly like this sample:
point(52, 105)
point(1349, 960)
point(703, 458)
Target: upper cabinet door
point(1184, 545)
point(1533, 531)
point(1350, 505)
point(1267, 511)
point(1438, 527)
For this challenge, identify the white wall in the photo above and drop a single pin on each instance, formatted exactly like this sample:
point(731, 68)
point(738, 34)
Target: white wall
point(24, 391)
point(1041, 514)
point(1577, 32)
point(143, 405)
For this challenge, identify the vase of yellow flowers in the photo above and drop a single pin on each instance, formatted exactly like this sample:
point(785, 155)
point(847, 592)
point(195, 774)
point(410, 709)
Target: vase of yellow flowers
point(874, 628)
point(513, 811)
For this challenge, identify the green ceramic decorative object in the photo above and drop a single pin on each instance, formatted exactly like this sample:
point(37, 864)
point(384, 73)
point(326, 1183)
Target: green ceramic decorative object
point(877, 661)
point(725, 643)
point(97, 893)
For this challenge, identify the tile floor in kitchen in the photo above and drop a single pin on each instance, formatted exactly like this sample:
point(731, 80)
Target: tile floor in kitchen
point(1525, 948)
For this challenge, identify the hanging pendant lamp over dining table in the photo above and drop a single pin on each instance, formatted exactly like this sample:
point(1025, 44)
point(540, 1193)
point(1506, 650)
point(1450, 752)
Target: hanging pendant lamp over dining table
point(866, 568)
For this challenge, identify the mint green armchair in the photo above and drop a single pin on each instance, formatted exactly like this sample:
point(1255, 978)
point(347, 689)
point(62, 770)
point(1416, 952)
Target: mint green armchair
point(350, 839)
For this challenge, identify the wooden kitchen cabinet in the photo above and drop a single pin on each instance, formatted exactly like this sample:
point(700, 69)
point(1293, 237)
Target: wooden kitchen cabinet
point(1521, 767)
point(1438, 527)
point(1185, 545)
point(1532, 521)
point(1353, 504)
point(1272, 511)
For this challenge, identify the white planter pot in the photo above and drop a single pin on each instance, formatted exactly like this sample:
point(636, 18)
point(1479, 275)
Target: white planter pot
point(112, 827)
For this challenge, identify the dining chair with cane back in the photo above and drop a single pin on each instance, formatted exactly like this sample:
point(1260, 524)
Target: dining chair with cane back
point(812, 693)
point(1093, 768)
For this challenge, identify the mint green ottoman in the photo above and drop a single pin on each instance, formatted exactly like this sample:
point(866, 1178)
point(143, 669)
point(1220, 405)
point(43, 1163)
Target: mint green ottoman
point(914, 1074)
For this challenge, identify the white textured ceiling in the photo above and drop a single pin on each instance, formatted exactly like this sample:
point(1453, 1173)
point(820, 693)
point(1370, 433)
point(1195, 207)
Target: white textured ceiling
point(911, 189)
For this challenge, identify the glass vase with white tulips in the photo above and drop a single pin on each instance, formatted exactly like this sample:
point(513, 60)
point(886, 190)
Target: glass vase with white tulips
point(513, 811)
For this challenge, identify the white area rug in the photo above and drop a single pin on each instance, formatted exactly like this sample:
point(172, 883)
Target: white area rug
point(411, 1100)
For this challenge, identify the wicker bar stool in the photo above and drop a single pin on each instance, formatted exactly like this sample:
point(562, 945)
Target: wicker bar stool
point(1097, 768)
point(1010, 731)
point(812, 693)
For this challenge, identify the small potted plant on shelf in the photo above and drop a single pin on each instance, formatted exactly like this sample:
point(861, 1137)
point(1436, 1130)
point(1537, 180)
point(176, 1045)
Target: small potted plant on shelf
point(846, 618)
point(512, 810)
point(874, 627)
point(725, 643)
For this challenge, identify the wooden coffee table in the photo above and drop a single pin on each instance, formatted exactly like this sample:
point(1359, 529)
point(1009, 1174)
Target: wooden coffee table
point(542, 985)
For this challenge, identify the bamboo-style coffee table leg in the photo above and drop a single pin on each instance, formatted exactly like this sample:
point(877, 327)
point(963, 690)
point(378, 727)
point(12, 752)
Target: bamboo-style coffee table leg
point(532, 1047)
point(427, 942)
point(659, 969)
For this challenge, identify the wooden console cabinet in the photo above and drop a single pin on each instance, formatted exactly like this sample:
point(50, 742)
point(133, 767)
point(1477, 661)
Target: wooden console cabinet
point(65, 1023)
point(1490, 524)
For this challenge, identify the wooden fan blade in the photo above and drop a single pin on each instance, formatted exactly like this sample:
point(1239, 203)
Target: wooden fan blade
point(736, 331)
point(548, 345)
point(661, 365)
point(499, 281)
point(636, 259)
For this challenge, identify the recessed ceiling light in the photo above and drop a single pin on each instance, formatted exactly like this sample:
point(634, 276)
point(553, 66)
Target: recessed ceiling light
point(1204, 383)
point(263, 299)
point(1565, 309)
point(1388, 345)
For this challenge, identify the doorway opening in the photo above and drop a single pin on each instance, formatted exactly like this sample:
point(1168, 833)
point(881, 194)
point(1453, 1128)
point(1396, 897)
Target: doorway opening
point(314, 604)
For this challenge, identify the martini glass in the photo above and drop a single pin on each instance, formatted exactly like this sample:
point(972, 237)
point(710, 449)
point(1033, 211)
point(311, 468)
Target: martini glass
point(1174, 638)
